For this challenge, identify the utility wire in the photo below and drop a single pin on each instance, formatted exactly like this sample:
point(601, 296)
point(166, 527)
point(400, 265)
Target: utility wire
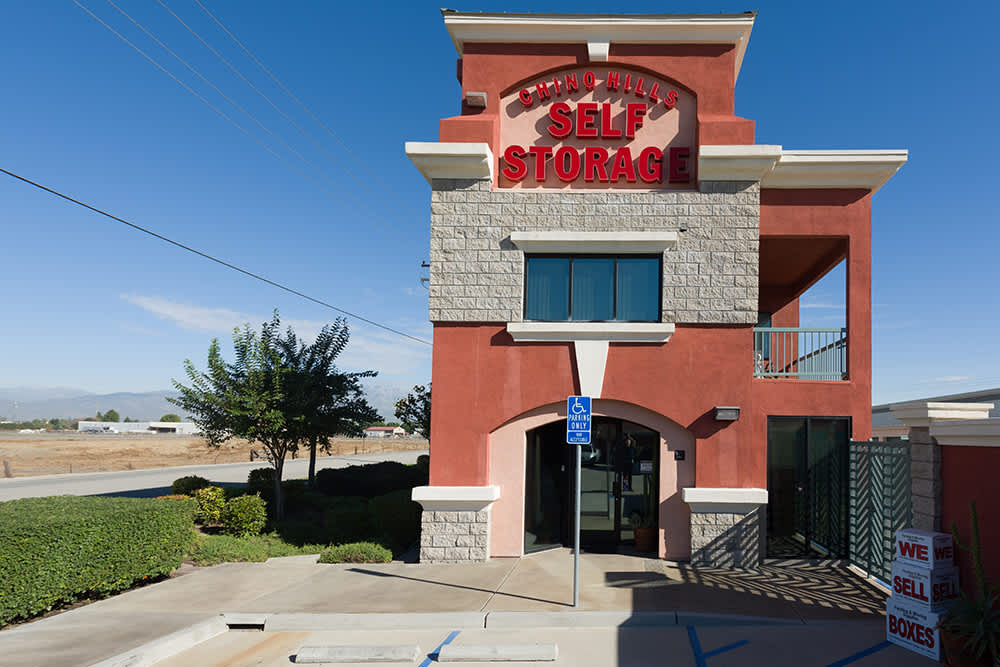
point(211, 106)
point(278, 109)
point(305, 108)
point(204, 255)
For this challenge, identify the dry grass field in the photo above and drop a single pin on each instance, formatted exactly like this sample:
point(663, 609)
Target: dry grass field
point(52, 453)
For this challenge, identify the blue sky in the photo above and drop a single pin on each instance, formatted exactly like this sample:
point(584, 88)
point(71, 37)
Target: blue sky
point(88, 303)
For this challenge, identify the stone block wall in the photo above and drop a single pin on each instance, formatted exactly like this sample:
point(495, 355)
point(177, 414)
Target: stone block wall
point(711, 276)
point(454, 537)
point(925, 479)
point(726, 539)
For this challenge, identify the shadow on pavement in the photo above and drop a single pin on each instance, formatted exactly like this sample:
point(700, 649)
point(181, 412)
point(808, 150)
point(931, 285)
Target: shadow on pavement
point(494, 593)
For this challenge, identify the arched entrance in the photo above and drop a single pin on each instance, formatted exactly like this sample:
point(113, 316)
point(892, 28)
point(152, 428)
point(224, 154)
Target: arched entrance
point(673, 465)
point(618, 478)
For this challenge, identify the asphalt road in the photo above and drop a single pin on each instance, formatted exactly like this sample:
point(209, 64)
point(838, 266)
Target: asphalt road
point(156, 481)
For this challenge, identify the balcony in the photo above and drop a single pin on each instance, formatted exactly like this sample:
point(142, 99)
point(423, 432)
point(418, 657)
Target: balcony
point(798, 353)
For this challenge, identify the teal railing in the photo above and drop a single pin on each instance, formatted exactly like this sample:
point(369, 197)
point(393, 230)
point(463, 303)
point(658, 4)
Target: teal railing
point(795, 352)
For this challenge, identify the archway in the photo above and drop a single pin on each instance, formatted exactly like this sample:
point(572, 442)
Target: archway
point(510, 471)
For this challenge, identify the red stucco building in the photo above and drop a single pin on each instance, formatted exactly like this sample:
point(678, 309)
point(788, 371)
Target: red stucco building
point(602, 223)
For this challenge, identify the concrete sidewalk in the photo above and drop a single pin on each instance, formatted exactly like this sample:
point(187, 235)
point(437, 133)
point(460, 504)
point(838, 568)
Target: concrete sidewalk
point(537, 583)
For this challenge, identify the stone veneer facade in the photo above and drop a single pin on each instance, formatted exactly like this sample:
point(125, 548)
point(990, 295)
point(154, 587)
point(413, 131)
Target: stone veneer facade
point(925, 478)
point(726, 539)
point(710, 277)
point(454, 537)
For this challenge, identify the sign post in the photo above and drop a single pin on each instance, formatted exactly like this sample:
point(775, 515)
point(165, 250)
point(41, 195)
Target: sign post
point(577, 433)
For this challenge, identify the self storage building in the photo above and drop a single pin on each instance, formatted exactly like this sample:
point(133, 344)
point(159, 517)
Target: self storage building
point(603, 224)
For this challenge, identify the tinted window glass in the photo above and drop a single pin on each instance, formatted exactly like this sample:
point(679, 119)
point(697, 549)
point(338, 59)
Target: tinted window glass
point(547, 296)
point(593, 288)
point(638, 289)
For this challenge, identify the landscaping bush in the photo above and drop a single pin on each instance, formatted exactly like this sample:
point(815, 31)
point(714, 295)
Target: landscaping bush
point(211, 501)
point(424, 461)
point(357, 552)
point(325, 520)
point(261, 480)
point(372, 480)
point(244, 516)
point(396, 520)
point(60, 549)
point(188, 485)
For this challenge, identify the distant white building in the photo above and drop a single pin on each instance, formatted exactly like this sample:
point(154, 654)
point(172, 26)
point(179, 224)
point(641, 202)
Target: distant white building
point(178, 428)
point(385, 432)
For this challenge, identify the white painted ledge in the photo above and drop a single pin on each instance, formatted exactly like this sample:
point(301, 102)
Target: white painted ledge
point(598, 51)
point(967, 433)
point(868, 169)
point(619, 242)
point(925, 413)
point(736, 163)
point(613, 332)
point(455, 498)
point(444, 159)
point(736, 501)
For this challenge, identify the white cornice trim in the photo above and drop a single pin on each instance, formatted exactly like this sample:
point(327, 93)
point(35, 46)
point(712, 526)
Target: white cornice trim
point(560, 28)
point(440, 159)
point(968, 433)
point(736, 501)
point(455, 498)
point(868, 169)
point(926, 413)
point(736, 163)
point(614, 332)
point(620, 242)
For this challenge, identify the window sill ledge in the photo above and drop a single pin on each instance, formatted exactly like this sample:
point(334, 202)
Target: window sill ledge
point(614, 332)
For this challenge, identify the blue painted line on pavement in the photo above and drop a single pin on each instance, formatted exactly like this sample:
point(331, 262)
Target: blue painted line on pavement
point(699, 657)
point(432, 657)
point(862, 654)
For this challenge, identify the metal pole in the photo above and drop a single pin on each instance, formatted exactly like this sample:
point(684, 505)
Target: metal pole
point(576, 537)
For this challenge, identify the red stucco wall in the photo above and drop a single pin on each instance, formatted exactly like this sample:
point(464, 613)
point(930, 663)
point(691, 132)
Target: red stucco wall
point(969, 473)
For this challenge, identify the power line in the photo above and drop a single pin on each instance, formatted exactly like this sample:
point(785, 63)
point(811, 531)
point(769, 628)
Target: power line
point(204, 255)
point(211, 106)
point(278, 109)
point(305, 108)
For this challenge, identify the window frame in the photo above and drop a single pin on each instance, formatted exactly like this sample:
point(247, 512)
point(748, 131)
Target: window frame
point(592, 255)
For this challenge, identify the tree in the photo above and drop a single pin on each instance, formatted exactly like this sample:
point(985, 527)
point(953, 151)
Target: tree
point(415, 410)
point(170, 417)
point(333, 403)
point(278, 392)
point(109, 416)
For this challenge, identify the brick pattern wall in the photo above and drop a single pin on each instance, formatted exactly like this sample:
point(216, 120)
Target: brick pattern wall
point(726, 539)
point(711, 276)
point(454, 537)
point(925, 476)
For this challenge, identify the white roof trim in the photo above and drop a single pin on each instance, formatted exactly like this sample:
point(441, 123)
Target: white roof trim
point(924, 413)
point(455, 498)
point(736, 163)
point(967, 433)
point(451, 159)
point(614, 332)
point(561, 28)
point(868, 169)
point(619, 242)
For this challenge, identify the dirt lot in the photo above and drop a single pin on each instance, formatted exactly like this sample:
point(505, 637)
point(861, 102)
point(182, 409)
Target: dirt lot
point(52, 453)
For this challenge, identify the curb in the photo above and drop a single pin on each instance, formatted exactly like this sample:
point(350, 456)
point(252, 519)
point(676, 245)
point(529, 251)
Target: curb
point(160, 649)
point(381, 621)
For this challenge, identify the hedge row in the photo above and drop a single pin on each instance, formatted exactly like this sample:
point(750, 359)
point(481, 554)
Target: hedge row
point(369, 481)
point(59, 549)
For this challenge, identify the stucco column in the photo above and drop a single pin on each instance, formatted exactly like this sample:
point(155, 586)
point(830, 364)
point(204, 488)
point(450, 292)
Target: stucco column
point(925, 452)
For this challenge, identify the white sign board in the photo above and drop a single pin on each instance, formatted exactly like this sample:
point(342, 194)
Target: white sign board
point(925, 548)
point(924, 587)
point(913, 628)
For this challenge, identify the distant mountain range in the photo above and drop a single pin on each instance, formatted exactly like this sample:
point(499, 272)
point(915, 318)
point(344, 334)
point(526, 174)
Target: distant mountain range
point(27, 403)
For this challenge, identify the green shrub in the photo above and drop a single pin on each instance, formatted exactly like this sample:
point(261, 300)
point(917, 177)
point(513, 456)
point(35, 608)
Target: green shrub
point(214, 549)
point(188, 485)
point(211, 500)
point(357, 552)
point(244, 516)
point(424, 462)
point(261, 481)
point(396, 520)
point(327, 520)
point(59, 549)
point(372, 480)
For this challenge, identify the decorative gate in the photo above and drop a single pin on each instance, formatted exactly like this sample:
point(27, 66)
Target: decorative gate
point(880, 503)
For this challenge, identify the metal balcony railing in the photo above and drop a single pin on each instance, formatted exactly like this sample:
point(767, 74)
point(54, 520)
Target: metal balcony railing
point(806, 354)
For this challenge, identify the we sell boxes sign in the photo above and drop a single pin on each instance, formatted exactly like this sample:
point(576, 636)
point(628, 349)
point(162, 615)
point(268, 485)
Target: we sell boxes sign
point(924, 580)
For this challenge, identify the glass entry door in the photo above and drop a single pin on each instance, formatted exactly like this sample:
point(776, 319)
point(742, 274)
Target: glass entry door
point(807, 483)
point(619, 485)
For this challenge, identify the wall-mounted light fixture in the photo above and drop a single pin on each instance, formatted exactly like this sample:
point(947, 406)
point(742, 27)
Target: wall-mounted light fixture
point(726, 413)
point(476, 99)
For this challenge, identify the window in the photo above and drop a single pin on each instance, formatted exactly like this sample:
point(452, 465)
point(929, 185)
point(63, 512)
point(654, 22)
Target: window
point(592, 288)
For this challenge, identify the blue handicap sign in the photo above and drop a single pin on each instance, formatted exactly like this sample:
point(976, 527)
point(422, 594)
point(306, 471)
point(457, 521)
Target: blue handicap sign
point(578, 420)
